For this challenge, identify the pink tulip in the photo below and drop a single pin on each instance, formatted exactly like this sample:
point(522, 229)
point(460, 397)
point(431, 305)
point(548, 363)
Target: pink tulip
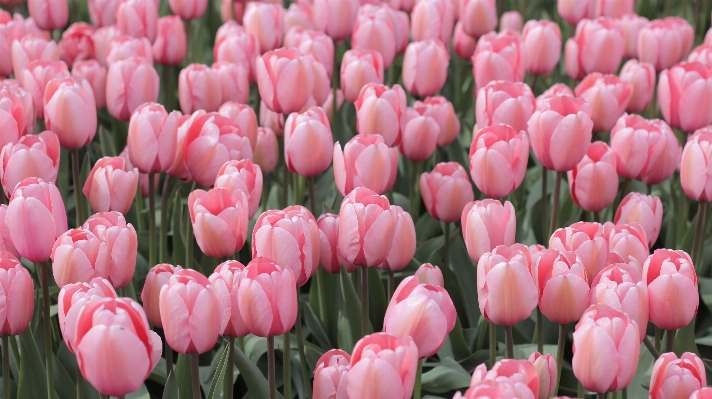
point(129, 84)
point(314, 43)
point(463, 44)
point(76, 43)
point(665, 42)
point(702, 393)
point(593, 183)
point(226, 280)
point(381, 110)
point(267, 298)
point(632, 24)
point(619, 286)
point(331, 375)
point(573, 11)
point(545, 366)
point(598, 46)
point(511, 20)
point(541, 44)
point(627, 243)
point(608, 96)
point(338, 16)
point(682, 91)
point(330, 258)
point(170, 46)
point(375, 30)
point(647, 210)
point(121, 241)
point(425, 67)
point(17, 303)
point(587, 240)
point(12, 27)
point(266, 152)
point(402, 243)
point(505, 289)
point(564, 294)
point(446, 190)
point(6, 244)
point(300, 14)
point(498, 159)
point(18, 110)
point(95, 75)
point(641, 77)
point(49, 14)
point(362, 241)
point(234, 80)
point(486, 225)
point(694, 165)
point(498, 56)
point(102, 12)
point(244, 116)
point(359, 68)
point(124, 47)
point(307, 142)
point(606, 349)
point(420, 137)
point(102, 37)
point(701, 54)
point(219, 218)
point(242, 176)
point(70, 111)
point(156, 278)
point(111, 185)
point(35, 78)
point(675, 377)
point(440, 109)
point(264, 20)
point(32, 156)
point(35, 218)
point(78, 256)
point(138, 18)
point(432, 19)
point(613, 8)
point(32, 48)
point(672, 288)
point(519, 374)
point(556, 90)
point(495, 389)
point(71, 300)
point(478, 17)
point(188, 9)
point(151, 139)
point(511, 103)
point(238, 47)
point(285, 79)
point(115, 328)
point(383, 367)
point(366, 161)
point(536, 251)
point(199, 88)
point(560, 132)
point(429, 274)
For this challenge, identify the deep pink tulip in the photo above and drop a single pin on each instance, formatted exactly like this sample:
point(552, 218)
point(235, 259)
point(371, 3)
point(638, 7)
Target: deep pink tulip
point(463, 44)
point(573, 11)
point(72, 298)
point(545, 366)
point(366, 226)
point(366, 161)
point(433, 19)
point(420, 136)
point(123, 47)
point(606, 349)
point(632, 24)
point(237, 46)
point(695, 164)
point(266, 152)
point(244, 116)
point(598, 46)
point(267, 298)
point(285, 79)
point(519, 374)
point(111, 185)
point(226, 280)
point(381, 110)
point(151, 139)
point(138, 18)
point(425, 67)
point(608, 95)
point(498, 159)
point(505, 289)
point(264, 20)
point(646, 210)
point(17, 302)
point(330, 258)
point(498, 56)
point(170, 46)
point(188, 9)
point(402, 243)
point(682, 93)
point(312, 42)
point(627, 243)
point(478, 17)
point(115, 328)
point(102, 37)
point(331, 375)
point(122, 243)
point(564, 293)
point(31, 48)
point(102, 12)
point(541, 44)
point(511, 20)
point(593, 183)
point(35, 78)
point(70, 111)
point(358, 68)
point(95, 75)
point(440, 109)
point(49, 14)
point(79, 256)
point(619, 286)
point(156, 278)
point(374, 30)
point(486, 225)
point(338, 16)
point(672, 288)
point(32, 156)
point(674, 377)
point(665, 42)
point(244, 176)
point(587, 240)
point(219, 218)
point(199, 88)
point(641, 77)
point(446, 190)
point(129, 84)
point(383, 367)
point(307, 142)
point(76, 43)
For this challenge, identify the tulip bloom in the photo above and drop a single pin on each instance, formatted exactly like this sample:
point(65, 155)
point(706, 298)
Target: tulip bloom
point(32, 48)
point(440, 109)
point(156, 278)
point(78, 256)
point(124, 47)
point(478, 17)
point(267, 298)
point(17, 112)
point(511, 103)
point(234, 80)
point(330, 258)
point(32, 156)
point(675, 377)
point(487, 224)
point(49, 14)
point(420, 136)
point(446, 190)
point(365, 242)
point(383, 366)
point(545, 366)
point(402, 243)
point(70, 111)
point(314, 43)
point(353, 166)
point(573, 11)
point(586, 239)
point(219, 218)
point(620, 287)
point(665, 42)
point(608, 96)
point(498, 56)
point(494, 389)
point(36, 77)
point(505, 289)
point(463, 44)
point(102, 12)
point(381, 110)
point(556, 90)
point(151, 138)
point(18, 297)
point(307, 142)
point(188, 9)
point(701, 54)
point(102, 37)
point(541, 44)
point(171, 45)
point(121, 242)
point(672, 288)
point(606, 349)
point(76, 43)
point(647, 210)
point(433, 19)
point(641, 77)
point(265, 21)
point(632, 24)
point(111, 185)
point(375, 30)
point(519, 374)
point(682, 91)
point(338, 16)
point(593, 183)
point(138, 18)
point(359, 68)
point(115, 328)
point(11, 28)
point(242, 176)
point(199, 88)
point(694, 166)
point(226, 280)
point(238, 47)
point(285, 79)
point(300, 14)
point(628, 242)
point(331, 375)
point(560, 132)
point(72, 298)
point(95, 74)
point(425, 67)
point(266, 152)
point(498, 160)
point(597, 46)
point(129, 84)
point(561, 279)
point(244, 116)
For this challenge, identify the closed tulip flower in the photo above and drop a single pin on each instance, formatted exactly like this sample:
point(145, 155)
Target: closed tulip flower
point(122, 243)
point(632, 24)
point(16, 104)
point(138, 18)
point(331, 375)
point(35, 218)
point(646, 210)
point(6, 244)
point(425, 67)
point(49, 15)
point(628, 243)
point(70, 111)
point(641, 77)
point(338, 16)
point(429, 274)
point(102, 12)
point(672, 288)
point(598, 46)
point(702, 393)
point(234, 80)
point(694, 166)
point(12, 27)
point(31, 48)
point(573, 11)
point(665, 42)
point(359, 68)
point(486, 225)
point(679, 88)
point(151, 139)
point(300, 14)
point(115, 328)
point(375, 30)
point(383, 366)
point(511, 20)
point(505, 289)
point(95, 75)
point(519, 374)
point(72, 298)
point(510, 103)
point(32, 156)
point(242, 176)
point(219, 219)
point(124, 47)
point(498, 160)
point(701, 54)
point(420, 137)
point(498, 56)
point(433, 19)
point(78, 256)
point(495, 389)
point(606, 349)
point(266, 152)
point(330, 258)
point(557, 89)
point(226, 280)
point(366, 161)
point(18, 295)
point(170, 46)
point(35, 78)
point(402, 243)
point(285, 79)
point(264, 20)
point(677, 378)
point(619, 286)
point(307, 142)
point(312, 42)
point(76, 43)
point(541, 44)
point(446, 190)
point(267, 298)
point(545, 366)
point(593, 183)
point(365, 242)
point(111, 186)
point(463, 44)
point(156, 278)
point(244, 116)
point(478, 17)
point(199, 87)
point(608, 96)
point(102, 37)
point(188, 9)
point(613, 8)
point(129, 84)
point(381, 110)
point(564, 294)
point(237, 47)
point(587, 240)
point(440, 109)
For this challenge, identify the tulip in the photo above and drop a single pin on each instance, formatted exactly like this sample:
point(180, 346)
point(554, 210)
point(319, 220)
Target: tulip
point(675, 377)
point(545, 366)
point(647, 210)
point(32, 48)
point(402, 243)
point(494, 389)
point(383, 366)
point(307, 142)
point(244, 116)
point(70, 111)
point(429, 274)
point(314, 43)
point(219, 218)
point(665, 42)
point(510, 103)
point(32, 156)
point(505, 289)
point(375, 30)
point(420, 137)
point(76, 43)
point(694, 166)
point(11, 28)
point(366, 161)
point(702, 393)
point(95, 75)
point(440, 109)
point(632, 24)
point(264, 20)
point(536, 251)
point(129, 84)
point(519, 374)
point(627, 243)
point(672, 288)
point(329, 256)
point(226, 280)
point(598, 46)
point(608, 96)
point(556, 90)
point(71, 300)
point(613, 8)
point(701, 54)
point(267, 298)
point(560, 132)
point(365, 242)
point(156, 278)
point(102, 37)
point(331, 375)
point(606, 349)
point(115, 328)
point(561, 279)
point(511, 20)
point(463, 44)
point(587, 240)
point(238, 47)
point(171, 44)
point(242, 176)
point(35, 78)
point(151, 139)
point(300, 14)
point(111, 185)
point(681, 86)
point(359, 68)
point(593, 183)
point(425, 67)
point(124, 47)
point(338, 16)
point(541, 44)
point(478, 17)
point(486, 225)
point(498, 159)
point(6, 244)
point(234, 79)
point(380, 110)
point(641, 77)
point(619, 286)
point(432, 19)
point(102, 12)
point(266, 152)
point(17, 104)
point(138, 18)
point(78, 256)
point(18, 295)
point(199, 87)
point(49, 14)
point(573, 11)
point(446, 190)
point(188, 9)
point(285, 79)
point(498, 56)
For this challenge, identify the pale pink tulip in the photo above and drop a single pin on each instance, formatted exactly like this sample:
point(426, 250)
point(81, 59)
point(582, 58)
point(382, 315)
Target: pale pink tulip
point(122, 243)
point(619, 286)
point(598, 46)
point(338, 16)
point(498, 56)
point(511, 103)
point(123, 47)
point(285, 79)
point(307, 142)
point(446, 190)
point(244, 176)
point(646, 210)
point(665, 42)
point(79, 256)
point(151, 139)
point(593, 183)
point(683, 91)
point(463, 44)
point(433, 19)
point(627, 243)
point(366, 161)
point(138, 18)
point(264, 20)
point(129, 84)
point(498, 159)
point(70, 111)
point(573, 11)
point(402, 243)
point(226, 280)
point(72, 298)
point(381, 110)
point(76, 43)
point(35, 78)
point(266, 152)
point(425, 67)
point(234, 44)
point(375, 30)
point(587, 240)
point(49, 14)
point(32, 156)
point(102, 37)
point(440, 109)
point(541, 44)
point(365, 242)
point(31, 48)
point(478, 16)
point(608, 95)
point(170, 46)
point(102, 12)
point(331, 375)
point(487, 224)
point(672, 288)
point(632, 24)
point(564, 292)
point(156, 278)
point(545, 366)
point(674, 377)
point(641, 76)
point(95, 74)
point(219, 218)
point(199, 88)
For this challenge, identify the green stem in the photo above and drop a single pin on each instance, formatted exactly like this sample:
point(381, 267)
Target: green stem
point(138, 200)
point(699, 235)
point(534, 79)
point(391, 284)
point(670, 341)
point(195, 374)
point(312, 198)
point(581, 392)
point(492, 343)
point(624, 393)
point(545, 200)
point(414, 195)
point(80, 384)
point(658, 338)
point(165, 196)
point(189, 235)
point(302, 354)
point(102, 396)
point(601, 395)
point(613, 395)
point(77, 187)
point(651, 348)
point(597, 217)
point(44, 282)
point(270, 370)
point(560, 354)
point(418, 379)
point(168, 351)
point(446, 256)
point(555, 206)
point(285, 186)
point(539, 330)
point(364, 300)
point(6, 366)
point(168, 90)
point(229, 366)
point(189, 37)
point(151, 221)
point(287, 364)
point(509, 342)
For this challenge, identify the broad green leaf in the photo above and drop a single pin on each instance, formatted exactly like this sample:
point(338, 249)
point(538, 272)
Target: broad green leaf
point(315, 326)
point(254, 379)
point(351, 311)
point(170, 391)
point(216, 387)
point(446, 376)
point(33, 377)
point(182, 372)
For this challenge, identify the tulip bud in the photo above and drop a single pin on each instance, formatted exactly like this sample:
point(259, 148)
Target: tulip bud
point(675, 93)
point(238, 47)
point(285, 79)
point(593, 183)
point(35, 79)
point(300, 14)
point(199, 88)
point(443, 112)
point(266, 153)
point(78, 256)
point(487, 224)
point(402, 243)
point(429, 274)
point(76, 43)
point(329, 256)
point(665, 42)
point(632, 24)
point(511, 103)
point(381, 164)
point(478, 17)
point(156, 278)
point(188, 9)
point(641, 77)
point(102, 37)
point(674, 377)
point(672, 288)
point(330, 374)
point(32, 48)
point(226, 280)
point(518, 374)
point(694, 165)
point(19, 295)
point(314, 43)
point(307, 142)
point(11, 28)
point(420, 137)
point(71, 300)
point(49, 14)
point(122, 243)
point(124, 47)
point(170, 46)
point(425, 67)
point(541, 44)
point(381, 110)
point(647, 210)
point(95, 75)
point(598, 46)
point(129, 84)
point(498, 56)
point(628, 243)
point(102, 12)
point(70, 111)
point(359, 68)
point(564, 292)
point(498, 159)
point(151, 139)
point(433, 19)
point(463, 44)
point(619, 286)
point(138, 18)
point(219, 213)
point(545, 366)
point(446, 190)
point(608, 96)
point(375, 30)
point(32, 156)
point(111, 185)
point(264, 20)
point(244, 176)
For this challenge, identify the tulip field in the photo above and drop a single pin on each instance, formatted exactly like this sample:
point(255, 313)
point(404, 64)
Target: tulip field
point(355, 199)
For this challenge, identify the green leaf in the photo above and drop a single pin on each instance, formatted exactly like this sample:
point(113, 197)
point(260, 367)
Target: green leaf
point(170, 391)
point(254, 379)
point(351, 313)
point(33, 377)
point(448, 375)
point(315, 326)
point(182, 372)
point(216, 387)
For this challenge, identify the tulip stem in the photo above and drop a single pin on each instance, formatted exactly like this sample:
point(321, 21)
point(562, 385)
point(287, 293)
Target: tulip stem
point(492, 343)
point(6, 366)
point(391, 284)
point(658, 337)
point(312, 198)
point(189, 235)
point(446, 255)
point(508, 342)
point(560, 353)
point(651, 348)
point(80, 384)
point(555, 206)
point(601, 395)
point(414, 200)
point(195, 374)
point(699, 233)
point(77, 188)
point(163, 258)
point(539, 330)
point(302, 354)
point(285, 186)
point(364, 300)
point(544, 199)
point(44, 282)
point(270, 369)
point(670, 341)
point(287, 364)
point(534, 79)
point(151, 220)
point(581, 392)
point(418, 379)
point(229, 366)
point(169, 357)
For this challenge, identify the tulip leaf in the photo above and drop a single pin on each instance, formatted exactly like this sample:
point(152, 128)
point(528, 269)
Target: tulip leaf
point(219, 375)
point(182, 371)
point(33, 377)
point(351, 313)
point(170, 391)
point(446, 376)
point(315, 326)
point(63, 383)
point(377, 299)
point(254, 379)
point(105, 143)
